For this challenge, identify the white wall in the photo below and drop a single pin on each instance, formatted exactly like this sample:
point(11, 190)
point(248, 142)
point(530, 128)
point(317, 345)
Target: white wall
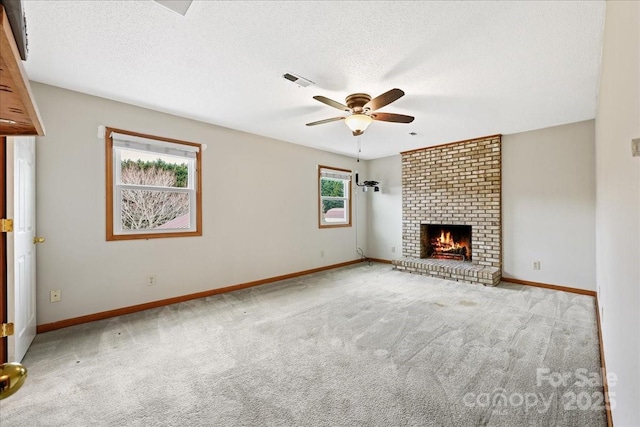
point(384, 228)
point(259, 211)
point(618, 206)
point(548, 205)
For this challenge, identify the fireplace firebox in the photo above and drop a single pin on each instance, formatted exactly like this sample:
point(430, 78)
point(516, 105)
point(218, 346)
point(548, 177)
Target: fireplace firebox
point(445, 241)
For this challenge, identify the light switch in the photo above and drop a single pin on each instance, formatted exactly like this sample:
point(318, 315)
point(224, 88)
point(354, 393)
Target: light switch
point(635, 147)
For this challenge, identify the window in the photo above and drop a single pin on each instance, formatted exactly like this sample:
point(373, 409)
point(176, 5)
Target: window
point(334, 189)
point(153, 186)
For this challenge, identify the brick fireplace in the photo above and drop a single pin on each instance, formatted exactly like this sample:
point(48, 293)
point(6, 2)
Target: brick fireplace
point(447, 191)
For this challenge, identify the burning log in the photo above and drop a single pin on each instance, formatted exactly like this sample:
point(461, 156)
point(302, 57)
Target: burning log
point(445, 247)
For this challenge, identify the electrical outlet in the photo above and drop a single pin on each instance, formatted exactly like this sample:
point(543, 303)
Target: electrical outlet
point(151, 280)
point(536, 265)
point(393, 249)
point(321, 254)
point(55, 295)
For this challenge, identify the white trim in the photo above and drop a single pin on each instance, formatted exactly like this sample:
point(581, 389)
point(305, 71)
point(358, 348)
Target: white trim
point(118, 186)
point(156, 188)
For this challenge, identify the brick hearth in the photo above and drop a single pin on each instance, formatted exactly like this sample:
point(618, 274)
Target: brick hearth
point(448, 269)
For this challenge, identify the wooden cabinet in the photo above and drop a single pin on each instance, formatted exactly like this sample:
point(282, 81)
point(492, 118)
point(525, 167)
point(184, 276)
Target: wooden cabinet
point(18, 111)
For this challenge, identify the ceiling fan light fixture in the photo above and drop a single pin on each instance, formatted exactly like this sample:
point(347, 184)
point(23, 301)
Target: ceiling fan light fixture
point(358, 123)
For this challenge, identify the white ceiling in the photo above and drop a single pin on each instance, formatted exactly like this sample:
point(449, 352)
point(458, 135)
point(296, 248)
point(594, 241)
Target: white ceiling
point(469, 69)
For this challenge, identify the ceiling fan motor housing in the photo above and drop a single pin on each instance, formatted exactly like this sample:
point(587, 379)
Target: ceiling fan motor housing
point(356, 102)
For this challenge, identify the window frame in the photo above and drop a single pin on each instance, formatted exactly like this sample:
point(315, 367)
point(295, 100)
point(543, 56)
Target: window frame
point(113, 189)
point(347, 198)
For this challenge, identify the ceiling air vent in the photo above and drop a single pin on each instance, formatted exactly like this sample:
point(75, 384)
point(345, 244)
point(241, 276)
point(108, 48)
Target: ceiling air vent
point(178, 6)
point(300, 81)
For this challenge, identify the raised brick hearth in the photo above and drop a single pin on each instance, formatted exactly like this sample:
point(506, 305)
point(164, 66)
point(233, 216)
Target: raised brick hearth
point(448, 269)
point(454, 184)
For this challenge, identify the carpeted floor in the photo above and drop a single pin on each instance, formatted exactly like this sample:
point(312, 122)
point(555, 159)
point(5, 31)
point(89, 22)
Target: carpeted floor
point(356, 346)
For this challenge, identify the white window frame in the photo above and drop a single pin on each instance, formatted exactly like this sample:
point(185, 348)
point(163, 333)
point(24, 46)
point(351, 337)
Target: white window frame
point(329, 172)
point(119, 140)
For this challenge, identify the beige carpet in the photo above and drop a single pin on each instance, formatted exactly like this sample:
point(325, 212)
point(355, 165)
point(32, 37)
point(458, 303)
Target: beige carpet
point(356, 346)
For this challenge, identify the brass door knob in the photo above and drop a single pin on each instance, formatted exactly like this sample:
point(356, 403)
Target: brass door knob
point(12, 376)
point(38, 240)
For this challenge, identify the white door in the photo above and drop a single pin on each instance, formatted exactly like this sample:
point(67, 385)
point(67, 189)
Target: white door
point(21, 249)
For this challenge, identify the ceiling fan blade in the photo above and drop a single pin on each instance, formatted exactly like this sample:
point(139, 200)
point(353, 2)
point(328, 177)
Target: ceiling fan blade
point(390, 117)
point(320, 122)
point(331, 102)
point(384, 99)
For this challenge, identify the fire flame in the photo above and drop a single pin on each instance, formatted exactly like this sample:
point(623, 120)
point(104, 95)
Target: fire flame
point(446, 241)
point(444, 246)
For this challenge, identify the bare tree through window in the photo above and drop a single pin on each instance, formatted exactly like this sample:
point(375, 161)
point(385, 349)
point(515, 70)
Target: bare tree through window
point(149, 209)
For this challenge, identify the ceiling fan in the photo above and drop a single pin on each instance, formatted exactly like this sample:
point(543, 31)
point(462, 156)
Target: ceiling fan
point(363, 110)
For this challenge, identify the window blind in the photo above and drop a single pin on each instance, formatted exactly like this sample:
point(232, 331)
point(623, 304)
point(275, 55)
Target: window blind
point(336, 174)
point(153, 145)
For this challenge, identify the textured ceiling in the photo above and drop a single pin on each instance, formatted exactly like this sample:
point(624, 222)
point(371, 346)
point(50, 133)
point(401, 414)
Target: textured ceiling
point(468, 68)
